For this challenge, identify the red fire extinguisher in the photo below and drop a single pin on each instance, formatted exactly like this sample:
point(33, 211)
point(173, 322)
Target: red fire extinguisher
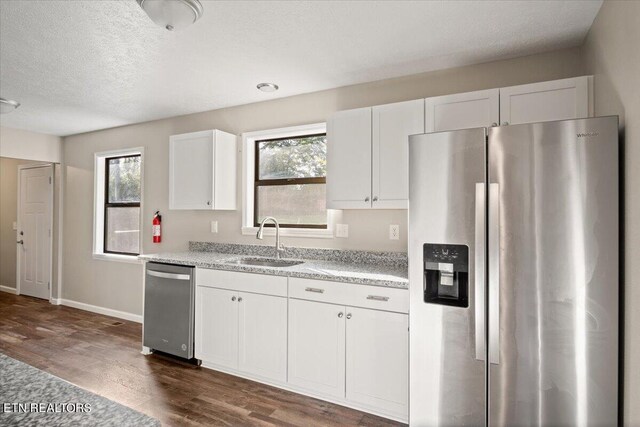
point(157, 228)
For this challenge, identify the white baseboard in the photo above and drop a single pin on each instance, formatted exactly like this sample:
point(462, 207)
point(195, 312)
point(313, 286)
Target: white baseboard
point(102, 310)
point(56, 301)
point(8, 289)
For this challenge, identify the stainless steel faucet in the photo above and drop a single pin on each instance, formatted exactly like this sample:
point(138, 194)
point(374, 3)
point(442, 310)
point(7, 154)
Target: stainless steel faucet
point(279, 246)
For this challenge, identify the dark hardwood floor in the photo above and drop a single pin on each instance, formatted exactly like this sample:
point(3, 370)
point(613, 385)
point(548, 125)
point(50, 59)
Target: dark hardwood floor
point(102, 354)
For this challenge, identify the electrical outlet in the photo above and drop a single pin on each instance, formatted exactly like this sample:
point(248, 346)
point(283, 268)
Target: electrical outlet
point(214, 226)
point(394, 232)
point(342, 230)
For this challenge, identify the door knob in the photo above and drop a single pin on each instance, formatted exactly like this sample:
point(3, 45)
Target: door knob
point(375, 199)
point(340, 315)
point(233, 298)
point(366, 199)
point(20, 242)
point(239, 299)
point(349, 316)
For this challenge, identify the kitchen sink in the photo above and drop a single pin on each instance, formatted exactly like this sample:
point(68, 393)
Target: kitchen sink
point(265, 262)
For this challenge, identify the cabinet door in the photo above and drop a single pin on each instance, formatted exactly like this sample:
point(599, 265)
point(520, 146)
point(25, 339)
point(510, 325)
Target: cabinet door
point(216, 326)
point(349, 159)
point(462, 111)
point(378, 359)
point(191, 171)
point(316, 346)
point(224, 180)
point(263, 335)
point(539, 102)
point(392, 125)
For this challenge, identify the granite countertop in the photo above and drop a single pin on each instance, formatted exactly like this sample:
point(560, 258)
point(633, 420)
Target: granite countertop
point(358, 267)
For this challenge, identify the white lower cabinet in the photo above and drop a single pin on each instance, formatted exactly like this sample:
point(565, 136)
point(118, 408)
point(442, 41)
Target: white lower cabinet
point(242, 331)
point(357, 354)
point(342, 342)
point(263, 335)
point(377, 359)
point(216, 328)
point(316, 346)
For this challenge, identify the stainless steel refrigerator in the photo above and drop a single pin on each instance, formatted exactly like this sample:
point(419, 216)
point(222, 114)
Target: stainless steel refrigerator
point(513, 271)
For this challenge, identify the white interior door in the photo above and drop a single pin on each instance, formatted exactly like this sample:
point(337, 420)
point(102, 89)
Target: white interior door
point(34, 231)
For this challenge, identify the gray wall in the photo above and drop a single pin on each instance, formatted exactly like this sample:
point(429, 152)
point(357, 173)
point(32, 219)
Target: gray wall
point(119, 286)
point(612, 53)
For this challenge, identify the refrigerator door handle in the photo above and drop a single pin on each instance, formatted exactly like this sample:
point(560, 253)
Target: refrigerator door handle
point(494, 273)
point(479, 268)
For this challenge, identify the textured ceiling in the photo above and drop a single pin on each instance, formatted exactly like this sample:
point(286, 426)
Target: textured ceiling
point(78, 66)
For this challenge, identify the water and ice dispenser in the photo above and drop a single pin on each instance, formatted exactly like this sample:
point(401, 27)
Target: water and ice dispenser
point(446, 274)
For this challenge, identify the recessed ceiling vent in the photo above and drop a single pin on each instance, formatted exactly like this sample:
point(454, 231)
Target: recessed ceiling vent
point(172, 14)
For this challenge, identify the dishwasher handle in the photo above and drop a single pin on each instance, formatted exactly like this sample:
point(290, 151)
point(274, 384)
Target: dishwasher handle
point(172, 276)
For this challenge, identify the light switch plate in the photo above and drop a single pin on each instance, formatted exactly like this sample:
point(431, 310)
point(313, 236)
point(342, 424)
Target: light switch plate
point(214, 226)
point(394, 232)
point(342, 230)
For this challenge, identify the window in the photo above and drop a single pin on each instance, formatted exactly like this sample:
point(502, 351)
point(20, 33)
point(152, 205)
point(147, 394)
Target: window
point(284, 176)
point(118, 199)
point(122, 205)
point(290, 181)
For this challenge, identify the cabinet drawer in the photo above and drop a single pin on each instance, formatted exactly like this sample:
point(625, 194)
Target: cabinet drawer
point(245, 282)
point(375, 297)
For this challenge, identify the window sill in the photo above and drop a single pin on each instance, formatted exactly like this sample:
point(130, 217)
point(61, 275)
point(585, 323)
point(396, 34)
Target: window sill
point(314, 233)
point(127, 259)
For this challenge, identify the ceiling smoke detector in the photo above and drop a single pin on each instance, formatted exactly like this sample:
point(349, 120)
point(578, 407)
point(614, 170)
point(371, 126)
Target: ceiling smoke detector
point(172, 14)
point(8, 105)
point(267, 87)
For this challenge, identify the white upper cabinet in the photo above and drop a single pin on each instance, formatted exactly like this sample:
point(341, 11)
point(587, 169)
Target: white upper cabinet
point(554, 100)
point(349, 159)
point(367, 157)
point(392, 125)
point(202, 171)
point(462, 111)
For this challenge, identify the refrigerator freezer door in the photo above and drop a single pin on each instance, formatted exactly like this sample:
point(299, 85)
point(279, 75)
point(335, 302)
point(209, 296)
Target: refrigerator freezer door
point(556, 256)
point(447, 380)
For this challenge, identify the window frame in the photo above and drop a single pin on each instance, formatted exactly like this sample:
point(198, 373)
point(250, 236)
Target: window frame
point(282, 182)
point(99, 178)
point(248, 171)
point(106, 204)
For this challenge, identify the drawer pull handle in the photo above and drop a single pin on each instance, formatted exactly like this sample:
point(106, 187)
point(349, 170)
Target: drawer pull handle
point(378, 298)
point(316, 290)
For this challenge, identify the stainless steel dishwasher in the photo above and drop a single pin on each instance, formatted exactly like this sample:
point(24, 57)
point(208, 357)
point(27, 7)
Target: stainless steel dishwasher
point(169, 309)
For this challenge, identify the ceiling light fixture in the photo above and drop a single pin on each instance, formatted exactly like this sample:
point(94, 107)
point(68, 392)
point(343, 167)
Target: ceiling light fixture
point(172, 14)
point(8, 105)
point(268, 87)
